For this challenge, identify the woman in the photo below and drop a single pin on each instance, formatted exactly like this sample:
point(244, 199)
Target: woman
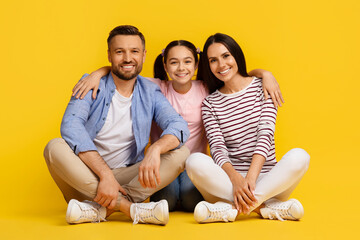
point(179, 60)
point(244, 175)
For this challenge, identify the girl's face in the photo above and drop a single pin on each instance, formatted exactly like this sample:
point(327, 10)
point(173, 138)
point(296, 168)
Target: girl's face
point(222, 63)
point(180, 64)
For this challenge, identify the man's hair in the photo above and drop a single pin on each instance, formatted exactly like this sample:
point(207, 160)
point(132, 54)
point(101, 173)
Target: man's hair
point(125, 30)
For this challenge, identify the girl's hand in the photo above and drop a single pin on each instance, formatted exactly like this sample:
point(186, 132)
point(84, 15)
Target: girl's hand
point(243, 195)
point(272, 88)
point(89, 82)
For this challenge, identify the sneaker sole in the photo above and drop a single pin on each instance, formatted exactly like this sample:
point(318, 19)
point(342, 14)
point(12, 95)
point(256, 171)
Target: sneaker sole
point(202, 203)
point(68, 211)
point(301, 208)
point(166, 210)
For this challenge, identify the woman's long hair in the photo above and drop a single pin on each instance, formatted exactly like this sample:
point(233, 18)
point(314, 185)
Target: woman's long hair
point(159, 70)
point(212, 82)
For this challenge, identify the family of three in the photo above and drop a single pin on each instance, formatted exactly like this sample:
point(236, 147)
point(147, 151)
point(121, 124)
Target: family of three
point(100, 163)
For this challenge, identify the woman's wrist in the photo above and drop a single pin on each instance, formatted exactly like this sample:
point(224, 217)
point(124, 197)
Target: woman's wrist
point(251, 178)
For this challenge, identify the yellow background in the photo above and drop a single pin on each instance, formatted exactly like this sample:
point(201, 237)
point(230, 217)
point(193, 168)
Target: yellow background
point(312, 47)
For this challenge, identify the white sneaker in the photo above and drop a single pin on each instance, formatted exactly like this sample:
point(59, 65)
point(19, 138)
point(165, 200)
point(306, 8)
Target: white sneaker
point(275, 209)
point(219, 212)
point(87, 211)
point(152, 212)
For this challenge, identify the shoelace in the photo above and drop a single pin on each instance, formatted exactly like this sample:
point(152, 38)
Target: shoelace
point(280, 211)
point(90, 212)
point(275, 214)
point(142, 213)
point(219, 215)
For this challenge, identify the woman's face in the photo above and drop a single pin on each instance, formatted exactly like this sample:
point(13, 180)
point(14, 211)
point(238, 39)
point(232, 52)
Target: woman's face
point(222, 63)
point(180, 64)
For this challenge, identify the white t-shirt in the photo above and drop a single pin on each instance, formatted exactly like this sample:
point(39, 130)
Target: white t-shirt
point(115, 141)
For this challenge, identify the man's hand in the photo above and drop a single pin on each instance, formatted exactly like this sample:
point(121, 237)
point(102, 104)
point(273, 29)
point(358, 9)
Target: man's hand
point(149, 174)
point(108, 192)
point(108, 188)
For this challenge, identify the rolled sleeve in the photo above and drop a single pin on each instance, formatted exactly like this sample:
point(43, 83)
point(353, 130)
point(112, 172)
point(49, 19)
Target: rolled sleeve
point(169, 120)
point(73, 129)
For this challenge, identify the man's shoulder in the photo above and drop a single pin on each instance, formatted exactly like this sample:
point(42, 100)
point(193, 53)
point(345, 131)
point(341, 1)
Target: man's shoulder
point(147, 83)
point(103, 79)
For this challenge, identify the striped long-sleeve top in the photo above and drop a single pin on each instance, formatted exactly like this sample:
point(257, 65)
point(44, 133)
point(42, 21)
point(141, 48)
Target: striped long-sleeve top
point(239, 125)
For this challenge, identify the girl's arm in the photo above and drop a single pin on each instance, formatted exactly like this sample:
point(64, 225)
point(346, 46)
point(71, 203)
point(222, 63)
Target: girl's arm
point(270, 85)
point(90, 82)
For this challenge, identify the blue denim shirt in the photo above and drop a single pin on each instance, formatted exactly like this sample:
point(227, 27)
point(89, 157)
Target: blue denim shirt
point(83, 119)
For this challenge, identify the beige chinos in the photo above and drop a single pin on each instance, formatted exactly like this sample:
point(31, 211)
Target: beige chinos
point(78, 181)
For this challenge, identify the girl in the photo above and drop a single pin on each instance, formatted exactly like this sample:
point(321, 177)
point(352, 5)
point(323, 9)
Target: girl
point(179, 60)
point(244, 175)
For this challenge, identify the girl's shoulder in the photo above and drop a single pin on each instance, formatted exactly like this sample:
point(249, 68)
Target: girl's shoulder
point(199, 85)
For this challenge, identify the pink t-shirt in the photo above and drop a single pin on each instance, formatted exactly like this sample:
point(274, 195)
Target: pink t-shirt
point(188, 105)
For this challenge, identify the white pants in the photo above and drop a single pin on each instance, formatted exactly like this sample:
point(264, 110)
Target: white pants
point(215, 185)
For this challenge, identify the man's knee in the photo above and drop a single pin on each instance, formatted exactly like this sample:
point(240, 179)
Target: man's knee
point(178, 157)
point(51, 148)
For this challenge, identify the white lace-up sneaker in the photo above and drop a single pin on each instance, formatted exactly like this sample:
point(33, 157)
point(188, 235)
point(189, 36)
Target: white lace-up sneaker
point(152, 212)
point(275, 209)
point(219, 212)
point(82, 212)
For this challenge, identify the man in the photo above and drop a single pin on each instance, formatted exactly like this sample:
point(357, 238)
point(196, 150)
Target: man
point(101, 156)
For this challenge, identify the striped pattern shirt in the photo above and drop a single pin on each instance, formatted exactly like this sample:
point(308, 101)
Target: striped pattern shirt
point(239, 125)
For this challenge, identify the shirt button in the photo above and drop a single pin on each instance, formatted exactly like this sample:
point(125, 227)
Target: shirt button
point(112, 91)
point(104, 119)
point(107, 104)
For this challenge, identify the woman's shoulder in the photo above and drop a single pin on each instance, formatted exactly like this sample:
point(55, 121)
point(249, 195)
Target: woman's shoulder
point(257, 81)
point(213, 97)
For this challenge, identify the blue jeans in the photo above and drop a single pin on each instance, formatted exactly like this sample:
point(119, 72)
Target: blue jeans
point(181, 194)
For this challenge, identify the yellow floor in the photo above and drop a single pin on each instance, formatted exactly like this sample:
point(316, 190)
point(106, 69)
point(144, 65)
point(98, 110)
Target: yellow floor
point(33, 208)
point(318, 223)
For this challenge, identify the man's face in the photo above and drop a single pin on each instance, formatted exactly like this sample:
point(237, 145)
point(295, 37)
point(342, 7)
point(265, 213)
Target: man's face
point(126, 55)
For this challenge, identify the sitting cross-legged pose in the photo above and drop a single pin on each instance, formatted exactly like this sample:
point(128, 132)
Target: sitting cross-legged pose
point(176, 66)
point(243, 174)
point(99, 164)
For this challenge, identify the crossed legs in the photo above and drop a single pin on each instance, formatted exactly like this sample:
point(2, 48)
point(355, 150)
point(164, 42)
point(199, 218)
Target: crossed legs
point(77, 181)
point(215, 185)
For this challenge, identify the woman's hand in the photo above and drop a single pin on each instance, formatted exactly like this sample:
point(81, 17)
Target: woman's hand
point(89, 82)
point(243, 190)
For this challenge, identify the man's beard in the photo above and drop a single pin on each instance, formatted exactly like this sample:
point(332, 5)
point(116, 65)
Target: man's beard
point(127, 76)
